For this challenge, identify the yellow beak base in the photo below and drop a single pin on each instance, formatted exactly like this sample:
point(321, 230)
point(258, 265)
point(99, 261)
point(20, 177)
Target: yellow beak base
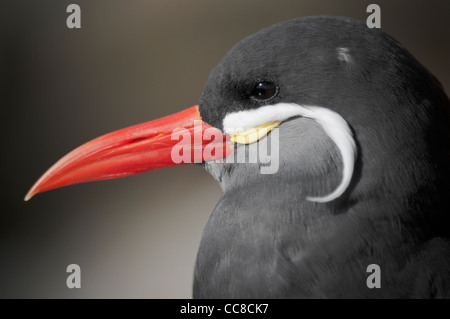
point(254, 134)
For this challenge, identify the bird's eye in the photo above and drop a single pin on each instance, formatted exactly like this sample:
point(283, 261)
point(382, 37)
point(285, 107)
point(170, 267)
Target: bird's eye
point(264, 91)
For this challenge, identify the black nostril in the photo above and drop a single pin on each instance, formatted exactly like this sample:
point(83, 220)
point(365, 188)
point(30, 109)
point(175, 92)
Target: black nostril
point(136, 140)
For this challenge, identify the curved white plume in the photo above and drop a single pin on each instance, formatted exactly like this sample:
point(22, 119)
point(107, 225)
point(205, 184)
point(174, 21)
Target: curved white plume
point(333, 124)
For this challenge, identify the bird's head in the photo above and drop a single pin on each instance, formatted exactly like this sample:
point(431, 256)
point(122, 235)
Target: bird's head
point(349, 106)
point(356, 112)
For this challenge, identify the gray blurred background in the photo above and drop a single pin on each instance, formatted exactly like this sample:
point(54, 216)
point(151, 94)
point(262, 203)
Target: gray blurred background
point(132, 61)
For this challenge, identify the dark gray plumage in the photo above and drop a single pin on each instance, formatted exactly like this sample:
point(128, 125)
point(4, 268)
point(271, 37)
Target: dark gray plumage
point(264, 239)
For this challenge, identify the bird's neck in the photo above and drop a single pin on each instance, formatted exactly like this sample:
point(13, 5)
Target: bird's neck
point(256, 240)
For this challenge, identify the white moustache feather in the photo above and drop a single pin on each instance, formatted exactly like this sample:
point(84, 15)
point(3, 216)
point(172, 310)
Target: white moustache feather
point(332, 123)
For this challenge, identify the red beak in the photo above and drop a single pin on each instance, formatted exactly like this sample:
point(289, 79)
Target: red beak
point(137, 149)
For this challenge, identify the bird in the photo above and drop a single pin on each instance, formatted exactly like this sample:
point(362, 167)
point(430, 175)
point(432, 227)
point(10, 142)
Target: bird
point(359, 131)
